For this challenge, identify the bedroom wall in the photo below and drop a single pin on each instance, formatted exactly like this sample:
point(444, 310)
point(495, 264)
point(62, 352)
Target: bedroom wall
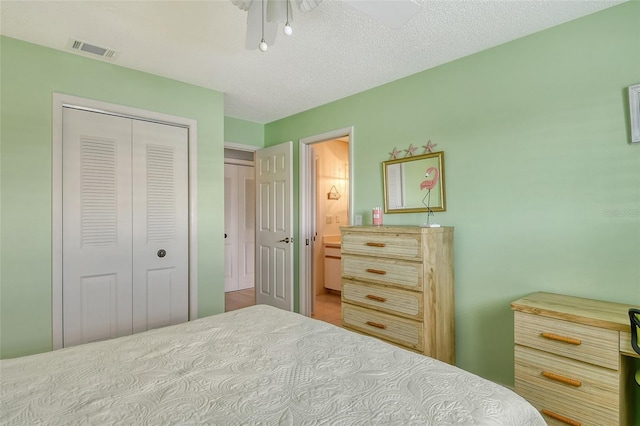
point(543, 187)
point(243, 132)
point(28, 76)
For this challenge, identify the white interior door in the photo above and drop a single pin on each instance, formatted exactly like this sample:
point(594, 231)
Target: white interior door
point(160, 225)
point(239, 227)
point(97, 252)
point(246, 227)
point(230, 227)
point(274, 222)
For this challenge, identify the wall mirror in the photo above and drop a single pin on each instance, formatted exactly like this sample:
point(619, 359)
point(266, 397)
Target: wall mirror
point(412, 183)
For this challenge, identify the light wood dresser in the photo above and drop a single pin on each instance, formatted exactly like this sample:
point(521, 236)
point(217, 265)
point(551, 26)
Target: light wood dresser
point(572, 359)
point(397, 285)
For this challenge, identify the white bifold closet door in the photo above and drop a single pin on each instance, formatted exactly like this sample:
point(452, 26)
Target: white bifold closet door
point(125, 226)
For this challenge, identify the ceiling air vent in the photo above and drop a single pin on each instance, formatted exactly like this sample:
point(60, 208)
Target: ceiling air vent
point(92, 49)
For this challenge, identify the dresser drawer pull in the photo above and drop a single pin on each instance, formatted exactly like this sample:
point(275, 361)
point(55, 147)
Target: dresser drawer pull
point(376, 271)
point(376, 324)
point(563, 379)
point(561, 418)
point(376, 244)
point(378, 298)
point(564, 339)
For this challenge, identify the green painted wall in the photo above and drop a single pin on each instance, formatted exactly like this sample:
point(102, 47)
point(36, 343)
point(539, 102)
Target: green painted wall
point(29, 74)
point(542, 184)
point(243, 132)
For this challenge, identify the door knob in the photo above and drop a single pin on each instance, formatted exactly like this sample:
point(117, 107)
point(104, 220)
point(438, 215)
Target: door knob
point(162, 253)
point(286, 240)
point(225, 235)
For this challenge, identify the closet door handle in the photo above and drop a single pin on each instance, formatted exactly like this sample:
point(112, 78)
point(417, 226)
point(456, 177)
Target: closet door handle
point(161, 253)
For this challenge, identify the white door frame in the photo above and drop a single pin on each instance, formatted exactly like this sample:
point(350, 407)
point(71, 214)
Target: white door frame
point(241, 147)
point(307, 214)
point(61, 100)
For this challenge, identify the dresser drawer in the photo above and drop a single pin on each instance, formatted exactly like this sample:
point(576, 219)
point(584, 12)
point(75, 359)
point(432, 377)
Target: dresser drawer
point(383, 271)
point(399, 246)
point(402, 331)
point(594, 345)
point(386, 299)
point(571, 388)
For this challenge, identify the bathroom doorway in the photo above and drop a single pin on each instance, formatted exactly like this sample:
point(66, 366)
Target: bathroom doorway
point(325, 205)
point(331, 160)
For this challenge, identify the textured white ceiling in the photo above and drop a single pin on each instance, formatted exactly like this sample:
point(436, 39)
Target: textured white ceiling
point(335, 51)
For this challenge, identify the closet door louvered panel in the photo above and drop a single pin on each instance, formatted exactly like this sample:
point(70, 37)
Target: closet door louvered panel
point(160, 234)
point(97, 252)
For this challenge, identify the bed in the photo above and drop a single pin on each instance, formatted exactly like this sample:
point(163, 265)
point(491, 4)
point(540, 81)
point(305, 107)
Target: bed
point(255, 366)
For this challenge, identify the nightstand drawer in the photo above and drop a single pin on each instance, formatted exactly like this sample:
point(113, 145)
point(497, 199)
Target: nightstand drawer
point(594, 345)
point(390, 300)
point(573, 389)
point(388, 327)
point(383, 271)
point(399, 246)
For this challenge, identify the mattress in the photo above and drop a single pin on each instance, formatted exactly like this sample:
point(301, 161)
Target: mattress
point(255, 366)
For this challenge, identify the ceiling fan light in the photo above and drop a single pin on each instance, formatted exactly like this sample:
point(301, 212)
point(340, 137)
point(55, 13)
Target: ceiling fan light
point(263, 46)
point(287, 29)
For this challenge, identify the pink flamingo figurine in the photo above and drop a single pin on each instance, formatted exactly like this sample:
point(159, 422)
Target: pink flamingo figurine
point(429, 184)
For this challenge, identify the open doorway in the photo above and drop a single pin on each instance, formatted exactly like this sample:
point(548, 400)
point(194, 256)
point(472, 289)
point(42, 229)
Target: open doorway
point(331, 161)
point(325, 205)
point(239, 226)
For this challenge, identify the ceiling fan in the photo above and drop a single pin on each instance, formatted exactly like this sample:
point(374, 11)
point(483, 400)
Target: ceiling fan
point(264, 16)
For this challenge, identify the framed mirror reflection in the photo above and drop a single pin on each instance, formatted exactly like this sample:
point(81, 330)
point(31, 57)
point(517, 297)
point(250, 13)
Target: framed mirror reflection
point(414, 184)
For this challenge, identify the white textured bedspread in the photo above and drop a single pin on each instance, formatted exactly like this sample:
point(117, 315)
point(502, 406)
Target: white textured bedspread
point(255, 366)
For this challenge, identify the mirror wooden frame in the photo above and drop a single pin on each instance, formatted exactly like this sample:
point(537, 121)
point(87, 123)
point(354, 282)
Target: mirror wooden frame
point(400, 196)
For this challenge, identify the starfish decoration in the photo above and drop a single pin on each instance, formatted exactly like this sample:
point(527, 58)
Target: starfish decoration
point(394, 153)
point(429, 147)
point(411, 150)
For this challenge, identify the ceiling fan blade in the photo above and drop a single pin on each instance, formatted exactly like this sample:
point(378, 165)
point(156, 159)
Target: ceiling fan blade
point(242, 4)
point(254, 27)
point(393, 13)
point(307, 5)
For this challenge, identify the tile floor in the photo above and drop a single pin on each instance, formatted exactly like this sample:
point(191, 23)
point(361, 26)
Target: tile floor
point(327, 305)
